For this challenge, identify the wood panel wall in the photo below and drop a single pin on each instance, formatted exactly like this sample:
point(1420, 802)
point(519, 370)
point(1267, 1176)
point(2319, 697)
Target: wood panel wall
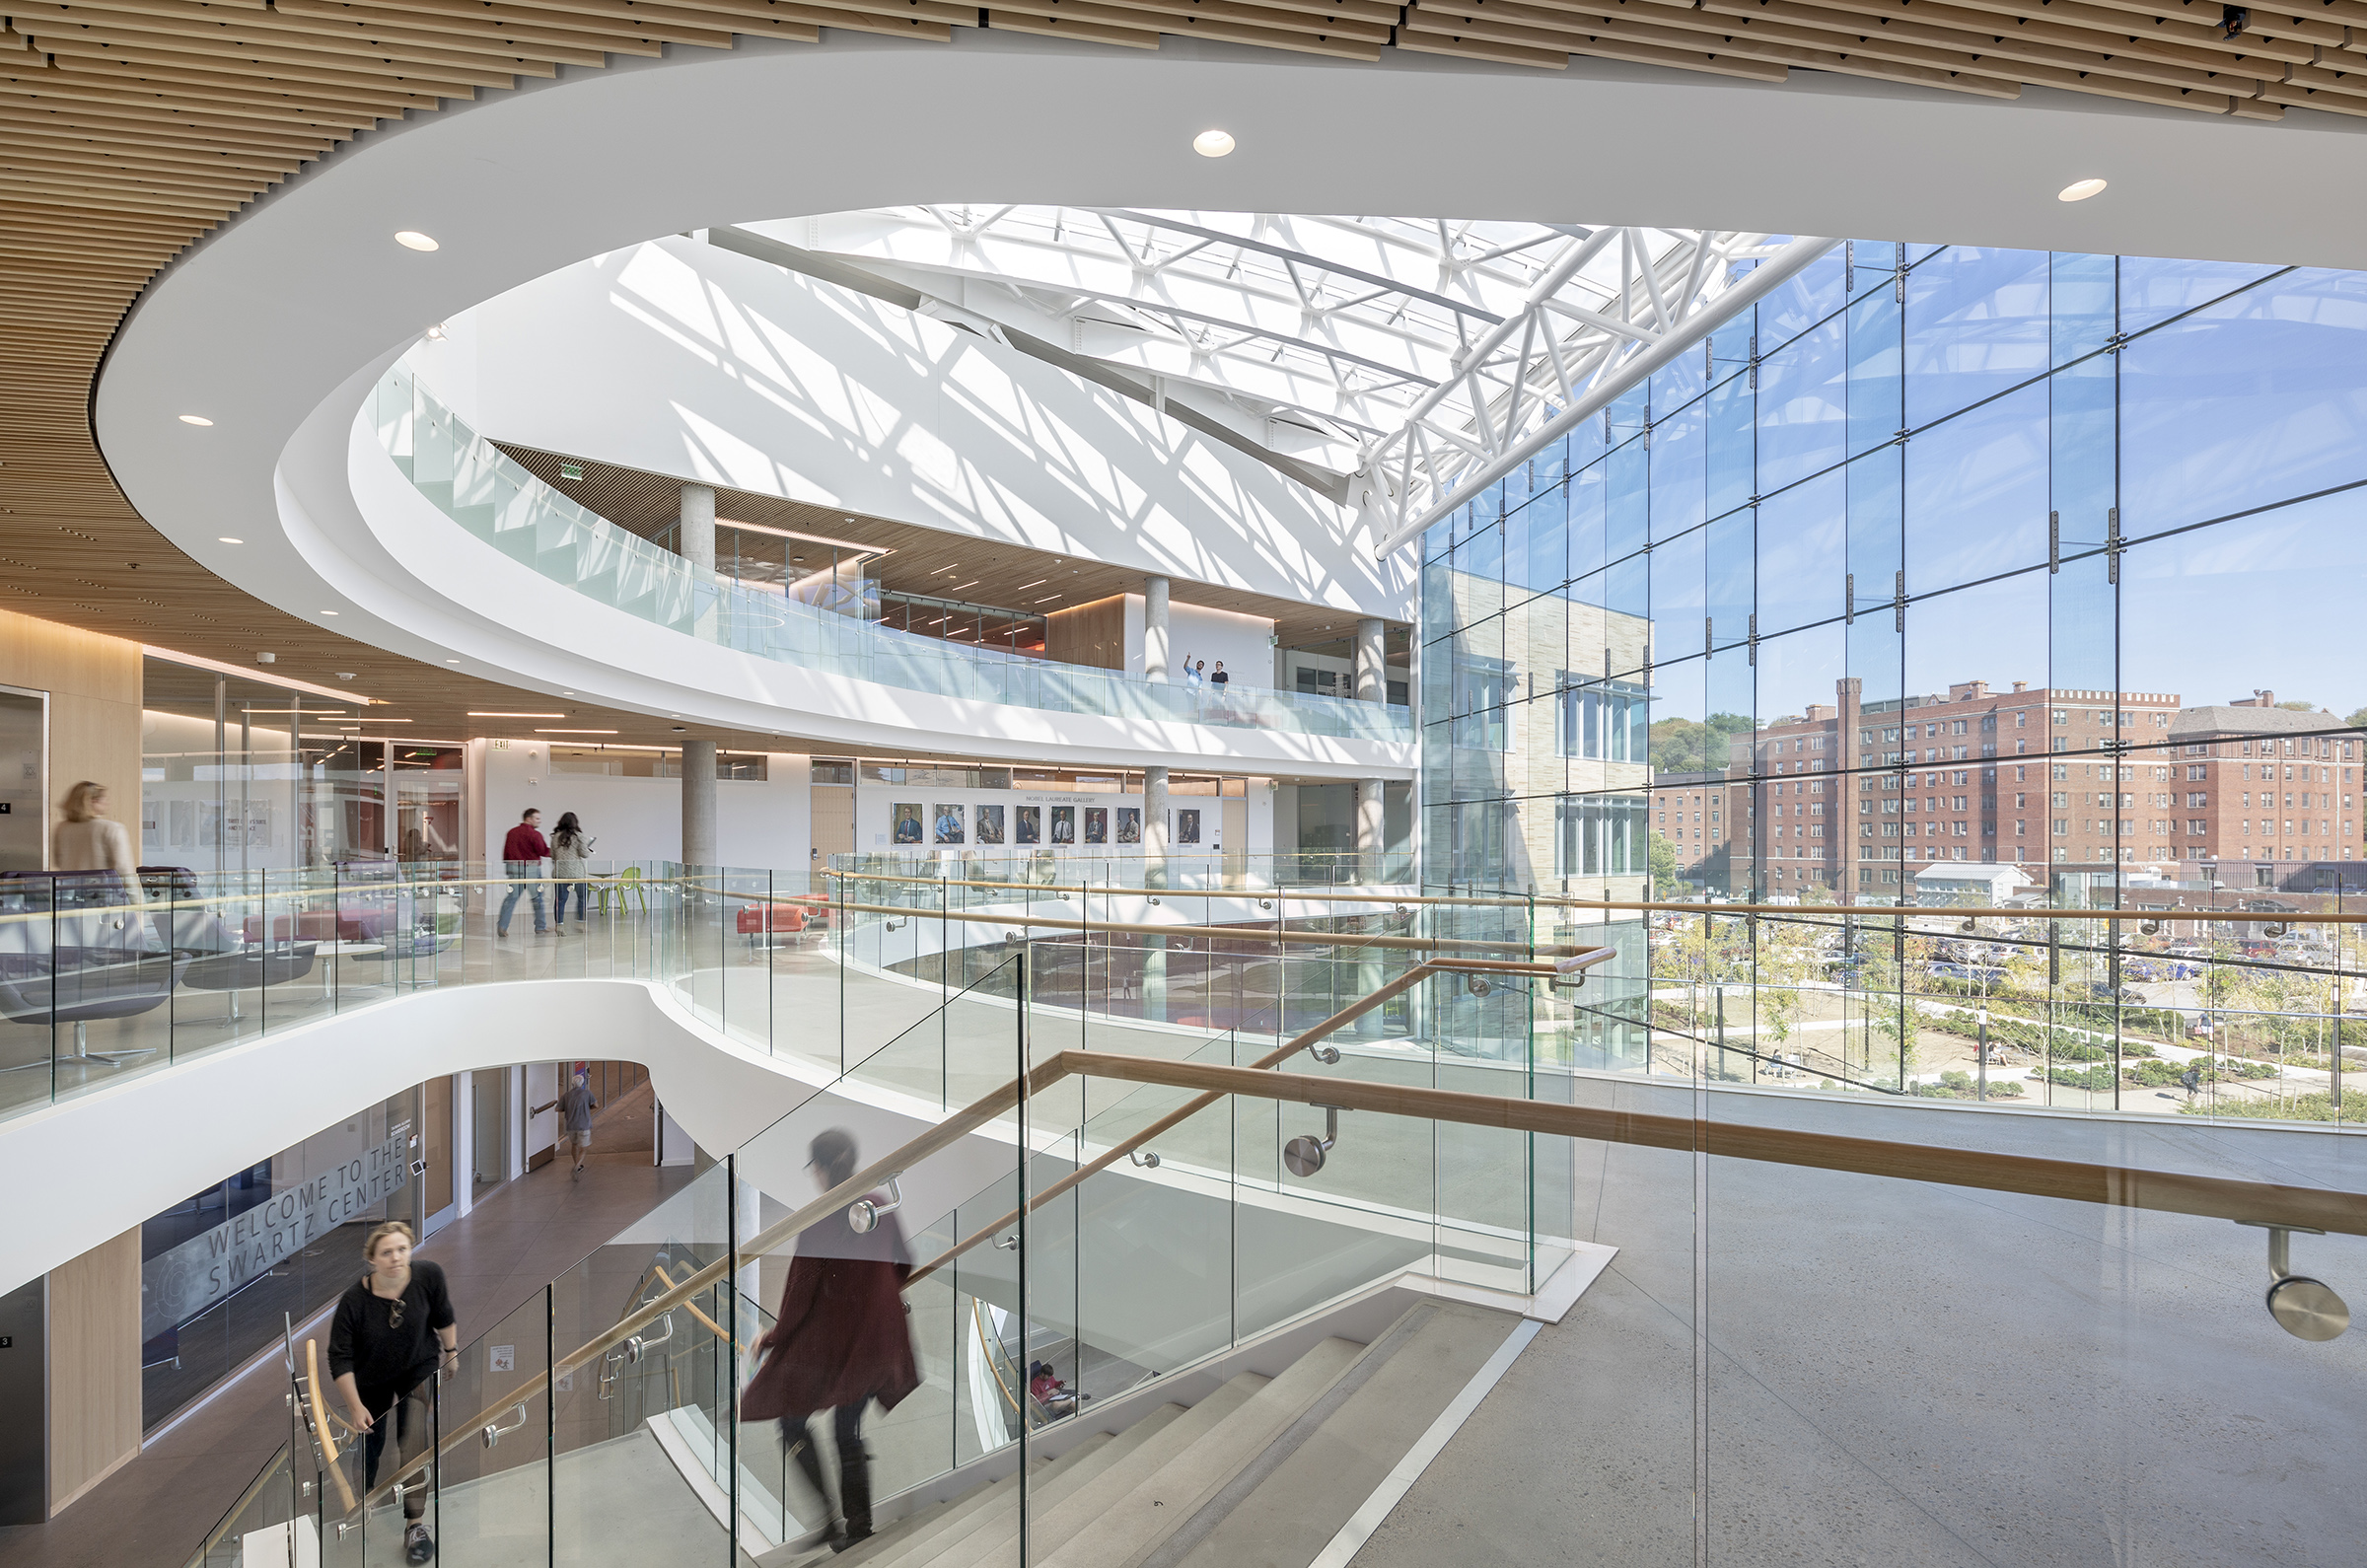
point(94, 1367)
point(93, 685)
point(1092, 634)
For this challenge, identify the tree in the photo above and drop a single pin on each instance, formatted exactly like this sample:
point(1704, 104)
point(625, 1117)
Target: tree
point(2299, 707)
point(1663, 864)
point(2357, 720)
point(1683, 745)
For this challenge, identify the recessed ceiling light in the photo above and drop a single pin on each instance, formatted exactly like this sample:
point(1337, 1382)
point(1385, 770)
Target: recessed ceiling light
point(452, 661)
point(1212, 144)
point(329, 613)
point(195, 420)
point(575, 732)
point(413, 240)
point(2080, 190)
point(227, 539)
point(476, 714)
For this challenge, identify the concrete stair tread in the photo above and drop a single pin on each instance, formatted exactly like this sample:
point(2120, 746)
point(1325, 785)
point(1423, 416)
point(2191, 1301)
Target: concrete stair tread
point(1048, 1528)
point(1163, 1498)
point(930, 1531)
point(922, 1525)
point(999, 1499)
point(1284, 1507)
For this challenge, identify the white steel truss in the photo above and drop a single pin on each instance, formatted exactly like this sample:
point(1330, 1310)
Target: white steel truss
point(1392, 362)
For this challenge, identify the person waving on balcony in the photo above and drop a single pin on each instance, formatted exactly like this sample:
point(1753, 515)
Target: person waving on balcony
point(840, 1339)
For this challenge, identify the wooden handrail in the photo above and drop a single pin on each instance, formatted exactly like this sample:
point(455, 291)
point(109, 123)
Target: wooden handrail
point(2116, 1186)
point(1503, 901)
point(329, 1439)
point(1274, 1059)
point(1963, 911)
point(1333, 939)
point(1559, 902)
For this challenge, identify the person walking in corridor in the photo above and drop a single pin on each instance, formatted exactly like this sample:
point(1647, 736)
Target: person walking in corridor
point(522, 857)
point(575, 1106)
point(394, 1331)
point(570, 850)
point(839, 1340)
point(91, 841)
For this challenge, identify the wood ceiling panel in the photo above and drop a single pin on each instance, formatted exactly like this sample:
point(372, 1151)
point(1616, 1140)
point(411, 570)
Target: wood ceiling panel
point(130, 127)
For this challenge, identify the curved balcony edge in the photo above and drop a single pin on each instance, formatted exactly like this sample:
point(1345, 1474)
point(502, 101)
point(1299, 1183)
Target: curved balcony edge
point(281, 1087)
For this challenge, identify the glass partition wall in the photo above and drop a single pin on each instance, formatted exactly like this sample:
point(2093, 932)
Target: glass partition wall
point(238, 774)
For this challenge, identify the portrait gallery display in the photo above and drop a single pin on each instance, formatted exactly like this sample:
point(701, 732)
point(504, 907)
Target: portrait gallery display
point(947, 822)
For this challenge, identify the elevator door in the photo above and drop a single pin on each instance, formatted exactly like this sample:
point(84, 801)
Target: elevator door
point(23, 779)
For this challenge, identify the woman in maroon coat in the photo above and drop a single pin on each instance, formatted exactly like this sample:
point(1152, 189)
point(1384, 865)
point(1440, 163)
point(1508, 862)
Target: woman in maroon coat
point(839, 1342)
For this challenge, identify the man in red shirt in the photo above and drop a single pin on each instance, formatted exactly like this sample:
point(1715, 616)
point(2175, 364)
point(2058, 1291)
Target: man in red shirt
point(523, 854)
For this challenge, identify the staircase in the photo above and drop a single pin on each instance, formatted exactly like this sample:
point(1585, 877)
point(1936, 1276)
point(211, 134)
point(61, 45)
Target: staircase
point(1262, 1472)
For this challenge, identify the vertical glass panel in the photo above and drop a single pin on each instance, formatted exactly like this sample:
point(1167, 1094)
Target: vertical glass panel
point(1678, 451)
point(1730, 564)
point(492, 1503)
point(2255, 571)
point(1802, 407)
point(2084, 300)
point(1732, 411)
point(2254, 400)
point(1678, 590)
point(1627, 501)
point(1803, 553)
point(1977, 322)
point(1976, 493)
point(2153, 289)
point(1802, 301)
point(1584, 500)
point(631, 1390)
point(1876, 385)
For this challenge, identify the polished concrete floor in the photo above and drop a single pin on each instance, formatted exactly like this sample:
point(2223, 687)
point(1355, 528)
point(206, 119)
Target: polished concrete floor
point(1897, 1373)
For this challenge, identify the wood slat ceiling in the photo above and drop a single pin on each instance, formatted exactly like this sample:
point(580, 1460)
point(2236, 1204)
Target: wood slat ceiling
point(130, 127)
point(925, 561)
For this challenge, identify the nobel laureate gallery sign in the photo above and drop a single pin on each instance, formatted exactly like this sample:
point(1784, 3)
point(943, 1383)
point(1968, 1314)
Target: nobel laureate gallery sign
point(176, 1286)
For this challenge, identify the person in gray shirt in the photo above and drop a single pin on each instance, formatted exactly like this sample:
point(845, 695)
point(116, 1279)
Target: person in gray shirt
point(575, 1104)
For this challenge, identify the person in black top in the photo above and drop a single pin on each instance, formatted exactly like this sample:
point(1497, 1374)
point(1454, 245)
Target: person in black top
point(394, 1328)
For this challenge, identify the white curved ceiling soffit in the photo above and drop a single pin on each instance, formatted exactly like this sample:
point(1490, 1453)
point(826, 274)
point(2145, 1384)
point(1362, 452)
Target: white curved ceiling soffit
point(297, 301)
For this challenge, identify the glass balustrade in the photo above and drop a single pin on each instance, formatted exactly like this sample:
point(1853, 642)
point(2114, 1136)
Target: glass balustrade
point(481, 489)
point(1093, 1237)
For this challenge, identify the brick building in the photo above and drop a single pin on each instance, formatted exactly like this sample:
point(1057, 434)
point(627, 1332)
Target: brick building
point(1694, 813)
point(1856, 797)
point(2263, 785)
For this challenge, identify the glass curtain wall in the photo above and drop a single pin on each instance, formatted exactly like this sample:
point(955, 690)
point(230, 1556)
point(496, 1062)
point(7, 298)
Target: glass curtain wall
point(1944, 576)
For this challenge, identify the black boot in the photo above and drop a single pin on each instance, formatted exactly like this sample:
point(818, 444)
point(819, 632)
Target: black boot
point(854, 1493)
point(808, 1463)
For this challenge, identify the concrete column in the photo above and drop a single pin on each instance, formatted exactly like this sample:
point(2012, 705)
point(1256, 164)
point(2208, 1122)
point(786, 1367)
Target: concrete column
point(1370, 829)
point(698, 514)
point(1371, 673)
point(698, 803)
point(1154, 628)
point(1370, 819)
point(1154, 875)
